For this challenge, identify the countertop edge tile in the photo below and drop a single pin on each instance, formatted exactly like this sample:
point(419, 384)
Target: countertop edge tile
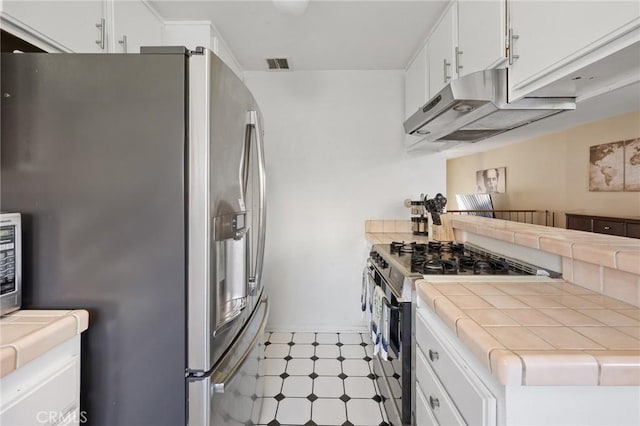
point(35, 343)
point(40, 341)
point(618, 368)
point(476, 339)
point(448, 312)
point(428, 294)
point(558, 368)
point(8, 356)
point(506, 367)
point(82, 319)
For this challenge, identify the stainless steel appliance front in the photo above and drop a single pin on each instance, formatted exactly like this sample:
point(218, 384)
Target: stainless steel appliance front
point(143, 180)
point(226, 209)
point(395, 371)
point(10, 262)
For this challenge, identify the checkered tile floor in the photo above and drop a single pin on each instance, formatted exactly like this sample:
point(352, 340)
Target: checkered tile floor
point(320, 379)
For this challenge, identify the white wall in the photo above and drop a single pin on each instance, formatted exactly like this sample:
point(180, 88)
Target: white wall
point(333, 146)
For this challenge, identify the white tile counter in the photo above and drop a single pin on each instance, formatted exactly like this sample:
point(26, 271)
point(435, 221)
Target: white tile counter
point(27, 334)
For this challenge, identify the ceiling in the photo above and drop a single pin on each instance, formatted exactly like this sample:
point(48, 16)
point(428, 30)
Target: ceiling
point(324, 35)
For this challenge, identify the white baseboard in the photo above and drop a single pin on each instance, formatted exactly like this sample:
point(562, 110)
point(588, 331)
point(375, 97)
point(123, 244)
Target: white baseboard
point(320, 329)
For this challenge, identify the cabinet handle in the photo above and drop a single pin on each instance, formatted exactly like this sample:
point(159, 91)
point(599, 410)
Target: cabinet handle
point(606, 228)
point(433, 355)
point(458, 54)
point(123, 42)
point(434, 402)
point(446, 67)
point(512, 37)
point(103, 29)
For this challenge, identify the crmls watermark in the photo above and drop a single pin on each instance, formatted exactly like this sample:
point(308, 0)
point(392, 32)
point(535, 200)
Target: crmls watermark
point(56, 417)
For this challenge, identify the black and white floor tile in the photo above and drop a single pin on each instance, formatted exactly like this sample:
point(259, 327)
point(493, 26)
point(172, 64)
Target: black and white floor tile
point(320, 379)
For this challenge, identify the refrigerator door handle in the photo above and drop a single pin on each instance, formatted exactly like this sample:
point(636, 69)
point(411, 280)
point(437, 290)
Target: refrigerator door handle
point(255, 124)
point(244, 165)
point(219, 385)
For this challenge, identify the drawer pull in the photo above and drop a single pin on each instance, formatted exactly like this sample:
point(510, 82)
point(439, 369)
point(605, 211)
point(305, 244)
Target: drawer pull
point(433, 356)
point(606, 228)
point(434, 402)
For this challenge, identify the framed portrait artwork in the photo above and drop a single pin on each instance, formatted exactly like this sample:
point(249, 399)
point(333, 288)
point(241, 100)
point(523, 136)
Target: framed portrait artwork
point(491, 181)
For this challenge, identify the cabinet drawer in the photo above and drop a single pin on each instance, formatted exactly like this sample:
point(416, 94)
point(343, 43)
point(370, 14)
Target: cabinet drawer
point(608, 227)
point(579, 223)
point(437, 401)
point(470, 396)
point(633, 230)
point(424, 416)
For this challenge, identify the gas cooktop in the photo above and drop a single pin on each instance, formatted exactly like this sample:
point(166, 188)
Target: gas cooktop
point(447, 258)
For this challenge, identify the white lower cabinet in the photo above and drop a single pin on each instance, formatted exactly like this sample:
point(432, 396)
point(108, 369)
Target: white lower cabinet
point(45, 391)
point(454, 387)
point(424, 415)
point(454, 393)
point(437, 398)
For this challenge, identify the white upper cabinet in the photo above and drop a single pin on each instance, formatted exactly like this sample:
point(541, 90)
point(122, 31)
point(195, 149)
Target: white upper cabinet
point(65, 26)
point(416, 90)
point(84, 26)
point(135, 25)
point(441, 48)
point(553, 39)
point(416, 83)
point(481, 35)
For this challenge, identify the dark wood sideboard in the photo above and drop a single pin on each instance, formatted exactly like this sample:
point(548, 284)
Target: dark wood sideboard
point(621, 226)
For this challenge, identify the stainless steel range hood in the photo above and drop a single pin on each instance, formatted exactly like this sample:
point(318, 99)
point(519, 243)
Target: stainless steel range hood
point(475, 107)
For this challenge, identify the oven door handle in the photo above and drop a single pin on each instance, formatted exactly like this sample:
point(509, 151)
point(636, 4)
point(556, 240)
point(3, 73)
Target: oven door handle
point(389, 305)
point(385, 300)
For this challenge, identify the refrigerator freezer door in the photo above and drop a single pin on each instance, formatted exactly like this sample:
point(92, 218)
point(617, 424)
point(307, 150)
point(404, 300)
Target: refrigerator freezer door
point(219, 125)
point(232, 394)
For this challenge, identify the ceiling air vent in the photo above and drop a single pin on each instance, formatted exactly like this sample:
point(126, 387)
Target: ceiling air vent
point(278, 63)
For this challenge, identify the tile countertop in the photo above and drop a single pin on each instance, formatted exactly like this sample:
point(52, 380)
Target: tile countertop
point(614, 252)
point(387, 231)
point(27, 334)
point(552, 333)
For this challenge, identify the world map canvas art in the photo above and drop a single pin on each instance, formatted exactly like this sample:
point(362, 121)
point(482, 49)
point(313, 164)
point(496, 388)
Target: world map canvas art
point(632, 165)
point(615, 166)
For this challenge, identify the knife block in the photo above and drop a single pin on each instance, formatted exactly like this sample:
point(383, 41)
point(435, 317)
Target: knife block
point(442, 232)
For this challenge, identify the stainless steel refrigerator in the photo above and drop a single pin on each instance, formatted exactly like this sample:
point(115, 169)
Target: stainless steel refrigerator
point(141, 181)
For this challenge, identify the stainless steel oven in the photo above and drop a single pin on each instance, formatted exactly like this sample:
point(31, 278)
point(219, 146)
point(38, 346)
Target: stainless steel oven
point(10, 262)
point(394, 371)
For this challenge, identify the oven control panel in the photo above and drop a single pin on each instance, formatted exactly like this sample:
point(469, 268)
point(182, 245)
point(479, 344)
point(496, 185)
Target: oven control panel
point(378, 259)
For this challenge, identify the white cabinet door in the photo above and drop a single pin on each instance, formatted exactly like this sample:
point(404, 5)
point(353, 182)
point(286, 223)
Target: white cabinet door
point(441, 47)
point(553, 36)
point(416, 84)
point(56, 25)
point(481, 35)
point(46, 390)
point(135, 25)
